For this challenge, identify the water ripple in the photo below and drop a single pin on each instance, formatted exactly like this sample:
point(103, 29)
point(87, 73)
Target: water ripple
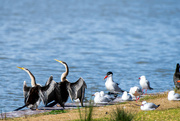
point(129, 38)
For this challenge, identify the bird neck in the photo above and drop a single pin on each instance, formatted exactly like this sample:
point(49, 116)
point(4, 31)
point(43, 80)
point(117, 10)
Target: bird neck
point(102, 93)
point(64, 75)
point(125, 93)
point(33, 81)
point(177, 68)
point(110, 79)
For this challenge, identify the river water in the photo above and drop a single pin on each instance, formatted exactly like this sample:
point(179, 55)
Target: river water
point(130, 38)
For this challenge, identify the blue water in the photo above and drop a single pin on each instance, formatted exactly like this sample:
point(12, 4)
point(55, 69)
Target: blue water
point(130, 38)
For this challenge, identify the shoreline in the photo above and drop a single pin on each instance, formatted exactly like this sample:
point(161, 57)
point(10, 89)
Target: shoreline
point(68, 106)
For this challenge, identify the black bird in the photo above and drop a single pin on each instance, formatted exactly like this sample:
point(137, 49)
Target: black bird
point(75, 90)
point(176, 77)
point(35, 94)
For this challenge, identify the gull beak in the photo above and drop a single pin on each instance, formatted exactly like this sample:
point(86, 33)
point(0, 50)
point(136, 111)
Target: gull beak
point(178, 81)
point(58, 60)
point(93, 95)
point(105, 77)
point(20, 68)
point(139, 78)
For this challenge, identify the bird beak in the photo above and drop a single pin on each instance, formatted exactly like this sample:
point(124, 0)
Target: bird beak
point(178, 81)
point(93, 95)
point(139, 78)
point(105, 77)
point(20, 68)
point(58, 60)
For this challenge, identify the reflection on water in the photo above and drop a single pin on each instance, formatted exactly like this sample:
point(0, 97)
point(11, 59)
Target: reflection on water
point(129, 38)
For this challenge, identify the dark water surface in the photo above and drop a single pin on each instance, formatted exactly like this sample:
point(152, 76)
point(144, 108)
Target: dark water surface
point(130, 38)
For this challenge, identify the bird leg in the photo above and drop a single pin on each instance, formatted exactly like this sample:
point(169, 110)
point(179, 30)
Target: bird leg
point(37, 108)
point(81, 100)
point(137, 98)
point(146, 92)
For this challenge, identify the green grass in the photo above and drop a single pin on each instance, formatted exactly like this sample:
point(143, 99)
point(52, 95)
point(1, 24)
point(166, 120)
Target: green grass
point(120, 115)
point(87, 114)
point(55, 112)
point(148, 97)
point(98, 119)
point(159, 115)
point(121, 103)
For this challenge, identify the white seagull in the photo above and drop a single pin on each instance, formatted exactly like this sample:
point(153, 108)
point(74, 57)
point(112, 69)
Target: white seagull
point(135, 91)
point(108, 96)
point(144, 83)
point(173, 96)
point(100, 99)
point(111, 85)
point(148, 106)
point(126, 96)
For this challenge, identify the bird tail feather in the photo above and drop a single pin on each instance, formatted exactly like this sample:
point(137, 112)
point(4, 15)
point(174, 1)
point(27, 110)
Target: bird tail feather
point(158, 105)
point(20, 108)
point(150, 88)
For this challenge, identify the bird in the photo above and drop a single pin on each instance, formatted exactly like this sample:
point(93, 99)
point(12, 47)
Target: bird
point(107, 96)
point(111, 86)
point(75, 90)
point(135, 91)
point(148, 106)
point(144, 83)
point(173, 96)
point(99, 98)
point(176, 77)
point(126, 96)
point(35, 94)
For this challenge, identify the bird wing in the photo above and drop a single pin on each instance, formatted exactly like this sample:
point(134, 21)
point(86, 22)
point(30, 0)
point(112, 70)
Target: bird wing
point(49, 80)
point(47, 92)
point(117, 89)
point(148, 84)
point(26, 90)
point(152, 106)
point(139, 90)
point(177, 96)
point(77, 89)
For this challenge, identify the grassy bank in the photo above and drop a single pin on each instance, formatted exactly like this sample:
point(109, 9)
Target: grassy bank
point(168, 110)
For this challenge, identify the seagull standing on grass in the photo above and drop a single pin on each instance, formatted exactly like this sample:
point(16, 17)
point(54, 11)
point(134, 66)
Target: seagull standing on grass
point(173, 96)
point(144, 83)
point(148, 106)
